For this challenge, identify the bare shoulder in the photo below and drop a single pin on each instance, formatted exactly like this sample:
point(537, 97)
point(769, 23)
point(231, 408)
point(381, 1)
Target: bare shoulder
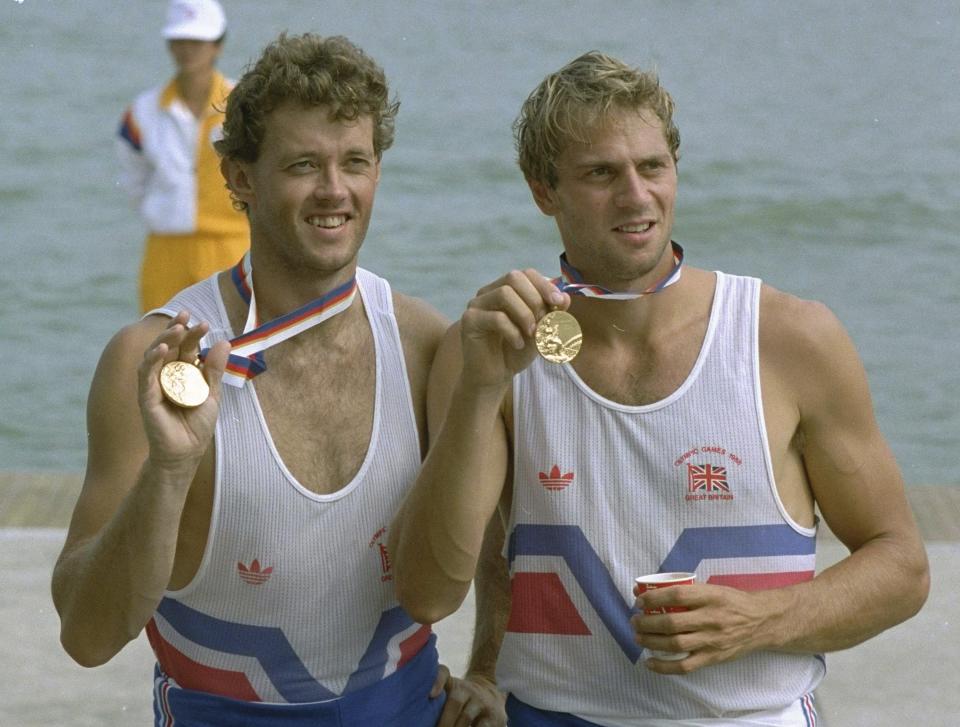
point(134, 338)
point(799, 332)
point(786, 316)
point(421, 328)
point(417, 313)
point(806, 347)
point(115, 380)
point(116, 376)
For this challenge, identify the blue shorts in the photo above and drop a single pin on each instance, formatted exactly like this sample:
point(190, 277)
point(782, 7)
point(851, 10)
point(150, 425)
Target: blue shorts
point(801, 713)
point(523, 715)
point(400, 700)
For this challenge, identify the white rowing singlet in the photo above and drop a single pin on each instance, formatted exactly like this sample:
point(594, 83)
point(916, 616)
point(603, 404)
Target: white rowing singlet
point(294, 598)
point(603, 493)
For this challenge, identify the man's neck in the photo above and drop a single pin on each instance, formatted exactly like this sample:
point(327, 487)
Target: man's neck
point(614, 322)
point(279, 291)
point(641, 321)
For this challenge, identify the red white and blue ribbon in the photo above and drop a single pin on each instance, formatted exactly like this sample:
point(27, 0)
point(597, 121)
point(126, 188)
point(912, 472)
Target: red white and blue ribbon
point(246, 355)
point(572, 282)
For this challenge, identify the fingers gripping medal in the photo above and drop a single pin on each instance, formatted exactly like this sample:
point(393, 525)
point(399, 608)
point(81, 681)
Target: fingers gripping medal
point(558, 337)
point(183, 384)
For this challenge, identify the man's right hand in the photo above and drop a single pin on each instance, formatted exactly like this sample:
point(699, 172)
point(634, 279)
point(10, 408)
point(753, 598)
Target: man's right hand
point(178, 436)
point(497, 329)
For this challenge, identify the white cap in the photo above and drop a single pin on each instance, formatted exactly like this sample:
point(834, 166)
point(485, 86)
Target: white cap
point(194, 20)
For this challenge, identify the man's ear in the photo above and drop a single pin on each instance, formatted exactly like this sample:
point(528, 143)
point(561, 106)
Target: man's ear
point(544, 195)
point(238, 179)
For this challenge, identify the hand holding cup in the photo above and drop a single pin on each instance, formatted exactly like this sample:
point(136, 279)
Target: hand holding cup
point(664, 580)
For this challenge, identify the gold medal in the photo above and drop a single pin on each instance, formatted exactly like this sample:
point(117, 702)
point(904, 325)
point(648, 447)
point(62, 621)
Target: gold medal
point(558, 337)
point(183, 384)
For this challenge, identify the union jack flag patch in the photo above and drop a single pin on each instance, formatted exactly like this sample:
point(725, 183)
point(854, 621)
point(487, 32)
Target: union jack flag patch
point(707, 482)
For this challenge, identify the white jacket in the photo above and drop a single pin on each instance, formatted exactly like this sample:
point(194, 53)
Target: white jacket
point(168, 164)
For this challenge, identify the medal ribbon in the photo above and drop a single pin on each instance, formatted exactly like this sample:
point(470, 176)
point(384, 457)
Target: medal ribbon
point(246, 356)
point(571, 281)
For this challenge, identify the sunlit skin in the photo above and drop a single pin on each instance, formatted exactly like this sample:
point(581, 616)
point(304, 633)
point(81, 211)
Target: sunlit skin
point(613, 201)
point(310, 194)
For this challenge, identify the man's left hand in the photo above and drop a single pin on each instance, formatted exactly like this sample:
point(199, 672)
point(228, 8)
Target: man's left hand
point(473, 700)
point(720, 624)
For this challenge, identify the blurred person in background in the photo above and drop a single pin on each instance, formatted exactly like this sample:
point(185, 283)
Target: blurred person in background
point(168, 164)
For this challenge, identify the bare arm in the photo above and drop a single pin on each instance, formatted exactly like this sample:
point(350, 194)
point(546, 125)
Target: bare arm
point(476, 698)
point(437, 535)
point(859, 489)
point(422, 329)
point(492, 592)
point(143, 455)
point(857, 485)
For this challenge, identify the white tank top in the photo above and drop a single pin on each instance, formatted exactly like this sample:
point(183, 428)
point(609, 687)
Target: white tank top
point(294, 599)
point(603, 493)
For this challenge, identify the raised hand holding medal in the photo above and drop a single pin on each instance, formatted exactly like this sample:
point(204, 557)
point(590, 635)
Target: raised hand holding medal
point(558, 335)
point(178, 416)
point(181, 378)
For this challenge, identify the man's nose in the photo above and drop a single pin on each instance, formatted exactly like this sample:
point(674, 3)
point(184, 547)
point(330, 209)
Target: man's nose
point(330, 185)
point(634, 190)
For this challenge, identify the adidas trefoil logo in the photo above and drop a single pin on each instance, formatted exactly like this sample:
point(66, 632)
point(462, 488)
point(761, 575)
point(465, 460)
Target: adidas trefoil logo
point(556, 481)
point(254, 575)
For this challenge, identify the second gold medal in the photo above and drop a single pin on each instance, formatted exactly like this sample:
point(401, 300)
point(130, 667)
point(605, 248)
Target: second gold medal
point(558, 337)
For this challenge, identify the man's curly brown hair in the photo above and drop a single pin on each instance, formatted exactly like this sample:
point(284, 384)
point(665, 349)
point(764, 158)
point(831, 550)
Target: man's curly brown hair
point(308, 70)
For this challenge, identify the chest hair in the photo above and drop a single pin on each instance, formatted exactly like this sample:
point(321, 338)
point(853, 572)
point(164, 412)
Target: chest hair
point(637, 376)
point(318, 400)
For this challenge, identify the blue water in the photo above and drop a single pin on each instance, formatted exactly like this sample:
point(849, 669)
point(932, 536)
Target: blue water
point(820, 151)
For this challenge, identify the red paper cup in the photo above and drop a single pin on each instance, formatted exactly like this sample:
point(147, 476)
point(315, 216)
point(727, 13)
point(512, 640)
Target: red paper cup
point(664, 580)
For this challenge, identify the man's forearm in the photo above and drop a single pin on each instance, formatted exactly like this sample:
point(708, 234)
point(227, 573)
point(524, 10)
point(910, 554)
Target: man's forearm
point(492, 593)
point(879, 585)
point(882, 583)
point(107, 587)
point(437, 536)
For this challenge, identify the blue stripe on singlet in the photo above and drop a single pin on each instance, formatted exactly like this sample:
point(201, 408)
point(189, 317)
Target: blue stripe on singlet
point(400, 700)
point(268, 645)
point(747, 541)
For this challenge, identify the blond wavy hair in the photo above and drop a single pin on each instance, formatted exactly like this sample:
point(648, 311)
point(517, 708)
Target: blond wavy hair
point(568, 103)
